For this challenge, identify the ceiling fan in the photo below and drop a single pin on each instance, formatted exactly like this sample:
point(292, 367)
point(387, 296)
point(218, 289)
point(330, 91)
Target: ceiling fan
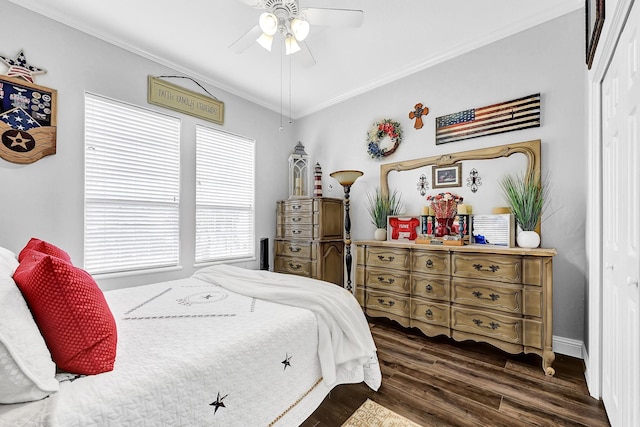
point(293, 23)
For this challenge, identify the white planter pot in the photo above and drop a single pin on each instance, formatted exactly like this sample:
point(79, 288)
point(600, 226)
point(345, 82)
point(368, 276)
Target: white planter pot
point(528, 239)
point(380, 234)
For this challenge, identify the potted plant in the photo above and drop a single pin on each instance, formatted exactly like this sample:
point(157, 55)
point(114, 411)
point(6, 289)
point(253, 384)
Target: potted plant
point(527, 198)
point(380, 206)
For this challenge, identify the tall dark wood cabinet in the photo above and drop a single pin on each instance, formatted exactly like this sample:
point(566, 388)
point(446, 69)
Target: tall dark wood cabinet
point(309, 238)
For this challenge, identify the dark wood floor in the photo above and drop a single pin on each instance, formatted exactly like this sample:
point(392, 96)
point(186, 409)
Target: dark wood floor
point(440, 382)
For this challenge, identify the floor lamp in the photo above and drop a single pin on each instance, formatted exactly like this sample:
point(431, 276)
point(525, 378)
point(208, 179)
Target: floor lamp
point(346, 179)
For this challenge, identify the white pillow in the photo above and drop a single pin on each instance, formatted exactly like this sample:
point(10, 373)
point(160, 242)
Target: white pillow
point(8, 261)
point(26, 370)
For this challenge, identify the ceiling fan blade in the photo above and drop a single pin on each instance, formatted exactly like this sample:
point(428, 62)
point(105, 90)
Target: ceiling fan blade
point(247, 40)
point(258, 4)
point(306, 57)
point(333, 17)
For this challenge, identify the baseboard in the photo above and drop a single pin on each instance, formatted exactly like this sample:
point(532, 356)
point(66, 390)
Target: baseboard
point(568, 346)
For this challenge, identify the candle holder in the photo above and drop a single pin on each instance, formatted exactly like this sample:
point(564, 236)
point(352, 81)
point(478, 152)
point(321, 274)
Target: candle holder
point(346, 178)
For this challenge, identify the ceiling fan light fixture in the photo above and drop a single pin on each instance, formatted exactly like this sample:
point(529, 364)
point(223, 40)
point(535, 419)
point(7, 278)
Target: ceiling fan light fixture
point(291, 46)
point(268, 23)
point(265, 41)
point(300, 28)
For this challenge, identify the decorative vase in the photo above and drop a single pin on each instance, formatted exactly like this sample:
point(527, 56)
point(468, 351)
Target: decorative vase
point(528, 239)
point(443, 227)
point(380, 234)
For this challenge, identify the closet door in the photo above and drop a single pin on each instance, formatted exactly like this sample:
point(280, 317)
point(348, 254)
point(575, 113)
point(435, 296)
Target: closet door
point(621, 228)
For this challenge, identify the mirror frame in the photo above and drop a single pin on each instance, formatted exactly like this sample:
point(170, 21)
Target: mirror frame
point(531, 149)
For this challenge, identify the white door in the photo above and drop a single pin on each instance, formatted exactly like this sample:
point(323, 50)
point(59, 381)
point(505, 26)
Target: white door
point(621, 229)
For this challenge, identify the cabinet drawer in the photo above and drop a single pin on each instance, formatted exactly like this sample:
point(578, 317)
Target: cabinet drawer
point(430, 262)
point(299, 249)
point(504, 268)
point(434, 287)
point(430, 312)
point(295, 218)
point(387, 280)
point(295, 206)
point(387, 257)
point(298, 266)
point(297, 231)
point(388, 303)
point(489, 324)
point(479, 293)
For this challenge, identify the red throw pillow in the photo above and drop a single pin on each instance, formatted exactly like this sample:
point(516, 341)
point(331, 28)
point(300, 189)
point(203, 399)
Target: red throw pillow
point(44, 247)
point(71, 312)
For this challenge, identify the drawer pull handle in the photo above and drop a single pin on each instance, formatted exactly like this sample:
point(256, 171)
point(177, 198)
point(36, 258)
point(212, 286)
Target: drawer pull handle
point(492, 268)
point(296, 207)
point(428, 288)
point(389, 258)
point(296, 231)
point(492, 325)
point(296, 219)
point(294, 249)
point(388, 281)
point(429, 263)
point(383, 302)
point(492, 297)
point(294, 266)
point(428, 313)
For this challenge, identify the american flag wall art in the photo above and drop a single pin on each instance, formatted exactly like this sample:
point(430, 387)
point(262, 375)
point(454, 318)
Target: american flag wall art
point(521, 113)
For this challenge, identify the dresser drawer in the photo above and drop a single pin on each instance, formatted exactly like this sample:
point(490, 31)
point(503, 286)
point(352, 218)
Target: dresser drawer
point(489, 324)
point(430, 312)
point(430, 262)
point(301, 267)
point(289, 207)
point(296, 231)
point(387, 257)
point(503, 268)
point(299, 249)
point(383, 302)
point(295, 218)
point(387, 280)
point(479, 293)
point(433, 287)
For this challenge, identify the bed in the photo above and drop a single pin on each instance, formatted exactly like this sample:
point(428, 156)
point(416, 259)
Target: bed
point(227, 346)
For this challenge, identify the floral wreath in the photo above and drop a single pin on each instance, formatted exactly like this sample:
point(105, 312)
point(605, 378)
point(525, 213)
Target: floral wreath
point(383, 138)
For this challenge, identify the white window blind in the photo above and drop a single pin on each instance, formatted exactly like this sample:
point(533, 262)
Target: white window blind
point(225, 175)
point(132, 185)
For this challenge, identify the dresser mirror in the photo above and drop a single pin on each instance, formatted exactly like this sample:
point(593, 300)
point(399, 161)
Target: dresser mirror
point(491, 164)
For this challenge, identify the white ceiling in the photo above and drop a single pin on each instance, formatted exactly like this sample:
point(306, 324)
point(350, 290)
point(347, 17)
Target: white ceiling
point(397, 38)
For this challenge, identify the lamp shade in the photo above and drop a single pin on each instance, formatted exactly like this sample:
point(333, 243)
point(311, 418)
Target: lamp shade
point(346, 177)
point(291, 45)
point(265, 41)
point(300, 28)
point(268, 23)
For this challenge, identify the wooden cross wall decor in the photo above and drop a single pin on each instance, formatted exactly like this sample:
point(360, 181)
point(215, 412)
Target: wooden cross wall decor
point(417, 113)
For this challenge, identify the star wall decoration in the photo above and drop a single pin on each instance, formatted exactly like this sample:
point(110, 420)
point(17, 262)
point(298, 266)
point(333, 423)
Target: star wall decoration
point(218, 403)
point(19, 67)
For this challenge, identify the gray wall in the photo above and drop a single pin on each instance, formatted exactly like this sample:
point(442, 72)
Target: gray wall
point(548, 59)
point(45, 199)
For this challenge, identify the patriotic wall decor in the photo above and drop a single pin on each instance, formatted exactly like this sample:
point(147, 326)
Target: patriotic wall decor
point(27, 113)
point(521, 113)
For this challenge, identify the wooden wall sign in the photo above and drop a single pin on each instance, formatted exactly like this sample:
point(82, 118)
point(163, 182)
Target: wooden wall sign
point(521, 113)
point(173, 97)
point(27, 120)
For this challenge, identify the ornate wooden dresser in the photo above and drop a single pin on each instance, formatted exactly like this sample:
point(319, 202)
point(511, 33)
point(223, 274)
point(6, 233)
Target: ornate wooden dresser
point(502, 296)
point(309, 238)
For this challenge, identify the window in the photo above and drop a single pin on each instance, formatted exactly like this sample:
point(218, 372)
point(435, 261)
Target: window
point(225, 175)
point(132, 184)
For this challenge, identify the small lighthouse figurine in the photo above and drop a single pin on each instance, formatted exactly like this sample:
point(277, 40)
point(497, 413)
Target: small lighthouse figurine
point(317, 181)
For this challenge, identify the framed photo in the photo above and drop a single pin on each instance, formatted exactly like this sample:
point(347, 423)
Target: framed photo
point(594, 15)
point(447, 176)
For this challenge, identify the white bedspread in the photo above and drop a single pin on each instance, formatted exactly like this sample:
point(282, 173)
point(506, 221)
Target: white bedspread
point(193, 353)
point(343, 332)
